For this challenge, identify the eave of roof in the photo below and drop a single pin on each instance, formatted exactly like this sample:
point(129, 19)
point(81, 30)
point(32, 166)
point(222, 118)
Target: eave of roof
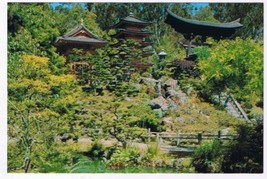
point(131, 19)
point(131, 32)
point(80, 40)
point(79, 28)
point(189, 26)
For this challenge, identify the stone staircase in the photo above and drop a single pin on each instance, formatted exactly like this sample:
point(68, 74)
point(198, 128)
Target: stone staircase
point(233, 107)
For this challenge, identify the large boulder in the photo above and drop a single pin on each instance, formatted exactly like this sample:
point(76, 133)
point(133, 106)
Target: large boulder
point(170, 84)
point(168, 122)
point(147, 81)
point(150, 84)
point(158, 103)
point(171, 93)
point(172, 105)
point(182, 97)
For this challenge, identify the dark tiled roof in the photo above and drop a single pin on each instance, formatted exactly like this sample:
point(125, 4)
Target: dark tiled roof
point(188, 26)
point(81, 40)
point(131, 19)
point(77, 29)
point(123, 31)
point(70, 37)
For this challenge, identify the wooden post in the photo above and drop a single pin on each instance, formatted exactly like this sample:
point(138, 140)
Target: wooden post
point(188, 48)
point(178, 139)
point(219, 134)
point(199, 137)
point(158, 139)
point(148, 131)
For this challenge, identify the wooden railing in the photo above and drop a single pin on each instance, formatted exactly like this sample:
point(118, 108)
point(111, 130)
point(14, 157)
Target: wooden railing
point(178, 137)
point(238, 107)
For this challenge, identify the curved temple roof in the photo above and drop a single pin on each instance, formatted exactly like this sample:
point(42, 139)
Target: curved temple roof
point(73, 37)
point(195, 27)
point(131, 19)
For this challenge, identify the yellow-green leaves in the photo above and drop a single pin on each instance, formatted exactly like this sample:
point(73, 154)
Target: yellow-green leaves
point(235, 65)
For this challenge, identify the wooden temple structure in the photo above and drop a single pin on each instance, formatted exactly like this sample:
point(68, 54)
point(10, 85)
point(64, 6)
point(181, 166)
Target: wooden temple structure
point(80, 38)
point(133, 28)
point(191, 28)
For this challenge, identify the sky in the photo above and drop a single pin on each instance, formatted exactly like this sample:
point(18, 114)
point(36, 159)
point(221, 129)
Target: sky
point(198, 5)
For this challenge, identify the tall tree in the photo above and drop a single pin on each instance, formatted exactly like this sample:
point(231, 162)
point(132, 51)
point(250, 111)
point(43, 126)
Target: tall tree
point(250, 14)
point(40, 107)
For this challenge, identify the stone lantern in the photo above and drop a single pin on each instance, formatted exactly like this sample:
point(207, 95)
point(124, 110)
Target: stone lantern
point(162, 55)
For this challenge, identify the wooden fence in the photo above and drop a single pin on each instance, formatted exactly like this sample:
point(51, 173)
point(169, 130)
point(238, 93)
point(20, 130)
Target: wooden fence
point(178, 137)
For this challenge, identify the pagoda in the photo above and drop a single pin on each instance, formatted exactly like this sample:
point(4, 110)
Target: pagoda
point(79, 38)
point(131, 27)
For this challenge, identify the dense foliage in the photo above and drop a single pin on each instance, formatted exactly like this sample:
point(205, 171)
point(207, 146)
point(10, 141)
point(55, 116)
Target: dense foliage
point(241, 156)
point(245, 155)
point(60, 122)
point(235, 67)
point(250, 15)
point(40, 108)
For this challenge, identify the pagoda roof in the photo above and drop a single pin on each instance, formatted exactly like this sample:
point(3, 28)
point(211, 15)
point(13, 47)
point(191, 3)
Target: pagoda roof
point(143, 43)
point(195, 27)
point(131, 32)
point(132, 20)
point(80, 34)
point(80, 40)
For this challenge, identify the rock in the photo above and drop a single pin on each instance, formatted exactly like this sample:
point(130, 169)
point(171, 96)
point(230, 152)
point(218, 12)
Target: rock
point(177, 94)
point(182, 97)
point(109, 142)
point(65, 137)
point(167, 121)
point(170, 93)
point(172, 104)
point(159, 102)
point(170, 84)
point(158, 88)
point(147, 81)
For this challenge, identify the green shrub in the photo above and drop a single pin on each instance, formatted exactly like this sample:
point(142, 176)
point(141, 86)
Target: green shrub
point(246, 154)
point(206, 156)
point(96, 151)
point(129, 156)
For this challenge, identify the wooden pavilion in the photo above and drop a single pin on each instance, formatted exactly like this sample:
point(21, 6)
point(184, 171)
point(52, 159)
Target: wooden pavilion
point(191, 28)
point(79, 38)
